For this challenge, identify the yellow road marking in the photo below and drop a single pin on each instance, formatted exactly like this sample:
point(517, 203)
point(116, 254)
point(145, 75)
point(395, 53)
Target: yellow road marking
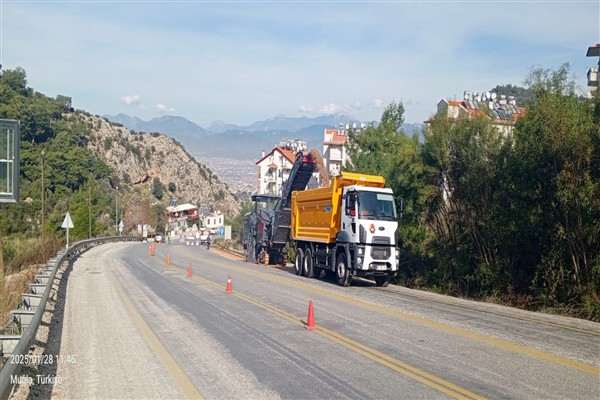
point(566, 362)
point(401, 367)
point(503, 344)
point(179, 376)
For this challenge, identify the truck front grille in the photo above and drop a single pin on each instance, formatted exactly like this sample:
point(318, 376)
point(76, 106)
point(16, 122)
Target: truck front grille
point(380, 253)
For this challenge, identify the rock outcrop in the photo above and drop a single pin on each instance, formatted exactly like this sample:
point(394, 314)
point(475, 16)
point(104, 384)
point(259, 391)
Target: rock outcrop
point(138, 158)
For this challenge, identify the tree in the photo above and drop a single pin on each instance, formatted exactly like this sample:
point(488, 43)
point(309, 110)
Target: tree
point(157, 188)
point(521, 94)
point(375, 149)
point(387, 150)
point(556, 155)
point(460, 176)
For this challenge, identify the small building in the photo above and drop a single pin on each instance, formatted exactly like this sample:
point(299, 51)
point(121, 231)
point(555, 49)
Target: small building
point(335, 150)
point(501, 110)
point(213, 222)
point(182, 211)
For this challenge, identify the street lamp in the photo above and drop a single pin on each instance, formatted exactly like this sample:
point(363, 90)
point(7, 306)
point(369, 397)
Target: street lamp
point(116, 209)
point(43, 194)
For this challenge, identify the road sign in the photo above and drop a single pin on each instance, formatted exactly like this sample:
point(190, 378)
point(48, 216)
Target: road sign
point(67, 223)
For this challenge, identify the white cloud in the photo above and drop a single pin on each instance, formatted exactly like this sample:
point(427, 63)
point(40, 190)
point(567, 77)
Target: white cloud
point(378, 103)
point(132, 100)
point(161, 108)
point(305, 109)
point(331, 109)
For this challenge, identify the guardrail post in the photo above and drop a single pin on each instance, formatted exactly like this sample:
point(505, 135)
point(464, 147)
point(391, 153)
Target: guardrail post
point(8, 344)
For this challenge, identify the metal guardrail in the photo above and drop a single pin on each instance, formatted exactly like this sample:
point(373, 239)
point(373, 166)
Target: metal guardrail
point(32, 307)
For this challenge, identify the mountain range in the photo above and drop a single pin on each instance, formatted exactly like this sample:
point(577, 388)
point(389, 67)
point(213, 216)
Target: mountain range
point(221, 139)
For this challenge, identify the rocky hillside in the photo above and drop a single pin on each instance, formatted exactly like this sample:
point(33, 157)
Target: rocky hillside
point(138, 158)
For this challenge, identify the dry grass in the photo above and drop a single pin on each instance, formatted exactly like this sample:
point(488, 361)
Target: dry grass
point(23, 257)
point(10, 292)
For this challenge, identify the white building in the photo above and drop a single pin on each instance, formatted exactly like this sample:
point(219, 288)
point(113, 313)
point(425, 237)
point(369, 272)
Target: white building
point(213, 221)
point(274, 168)
point(335, 154)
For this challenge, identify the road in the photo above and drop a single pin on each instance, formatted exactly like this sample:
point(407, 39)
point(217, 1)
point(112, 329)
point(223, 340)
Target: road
point(135, 327)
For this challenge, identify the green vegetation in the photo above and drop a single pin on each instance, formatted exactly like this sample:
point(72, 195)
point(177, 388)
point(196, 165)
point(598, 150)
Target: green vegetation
point(511, 219)
point(55, 160)
point(157, 188)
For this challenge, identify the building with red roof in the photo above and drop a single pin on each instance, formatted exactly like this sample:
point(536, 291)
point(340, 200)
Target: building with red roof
point(274, 167)
point(335, 154)
point(501, 110)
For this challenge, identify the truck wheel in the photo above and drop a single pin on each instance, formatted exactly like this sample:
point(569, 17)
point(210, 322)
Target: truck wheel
point(307, 270)
point(298, 261)
point(382, 281)
point(341, 271)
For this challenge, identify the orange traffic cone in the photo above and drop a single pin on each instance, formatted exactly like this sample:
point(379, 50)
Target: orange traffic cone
point(310, 322)
point(168, 260)
point(190, 271)
point(152, 250)
point(229, 289)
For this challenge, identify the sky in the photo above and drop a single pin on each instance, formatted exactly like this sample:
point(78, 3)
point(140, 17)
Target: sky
point(246, 61)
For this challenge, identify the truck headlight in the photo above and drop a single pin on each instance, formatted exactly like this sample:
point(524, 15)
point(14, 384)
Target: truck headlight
point(359, 260)
point(397, 254)
point(360, 251)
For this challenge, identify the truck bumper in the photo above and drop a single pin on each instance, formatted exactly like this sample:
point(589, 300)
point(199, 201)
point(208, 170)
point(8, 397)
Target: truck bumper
point(368, 260)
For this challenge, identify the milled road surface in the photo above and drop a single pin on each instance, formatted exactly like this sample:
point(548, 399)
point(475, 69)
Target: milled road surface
point(134, 327)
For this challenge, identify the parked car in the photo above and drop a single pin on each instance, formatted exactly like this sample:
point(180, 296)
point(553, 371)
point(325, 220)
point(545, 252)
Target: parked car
point(159, 238)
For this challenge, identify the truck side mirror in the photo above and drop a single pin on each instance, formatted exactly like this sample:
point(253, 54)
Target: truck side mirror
point(350, 203)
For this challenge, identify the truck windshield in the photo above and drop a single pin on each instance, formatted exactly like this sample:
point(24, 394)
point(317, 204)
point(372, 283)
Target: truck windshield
point(265, 202)
point(373, 205)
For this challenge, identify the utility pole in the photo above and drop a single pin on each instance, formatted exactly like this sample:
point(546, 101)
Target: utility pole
point(90, 210)
point(43, 189)
point(116, 210)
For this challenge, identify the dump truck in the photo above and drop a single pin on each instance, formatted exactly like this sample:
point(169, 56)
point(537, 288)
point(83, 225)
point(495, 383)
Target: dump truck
point(346, 229)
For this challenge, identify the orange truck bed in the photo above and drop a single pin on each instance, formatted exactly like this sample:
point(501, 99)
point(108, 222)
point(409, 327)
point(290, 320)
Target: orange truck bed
point(316, 212)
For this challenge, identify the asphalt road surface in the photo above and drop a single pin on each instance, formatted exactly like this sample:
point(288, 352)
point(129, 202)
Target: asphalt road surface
point(135, 327)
